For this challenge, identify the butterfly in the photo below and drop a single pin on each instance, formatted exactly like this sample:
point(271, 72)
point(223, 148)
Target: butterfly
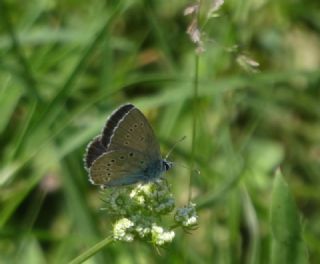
point(126, 152)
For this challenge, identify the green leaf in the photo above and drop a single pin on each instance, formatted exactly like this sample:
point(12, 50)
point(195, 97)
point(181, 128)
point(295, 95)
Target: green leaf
point(287, 242)
point(9, 97)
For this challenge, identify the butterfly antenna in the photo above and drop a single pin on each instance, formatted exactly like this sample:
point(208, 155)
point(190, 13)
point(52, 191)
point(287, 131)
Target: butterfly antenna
point(187, 167)
point(174, 145)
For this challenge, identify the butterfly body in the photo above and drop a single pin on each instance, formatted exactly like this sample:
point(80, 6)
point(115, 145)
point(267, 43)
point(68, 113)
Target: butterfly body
point(126, 152)
point(155, 169)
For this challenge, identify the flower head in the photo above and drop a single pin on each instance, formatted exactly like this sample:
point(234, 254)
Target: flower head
point(161, 236)
point(139, 211)
point(122, 230)
point(187, 215)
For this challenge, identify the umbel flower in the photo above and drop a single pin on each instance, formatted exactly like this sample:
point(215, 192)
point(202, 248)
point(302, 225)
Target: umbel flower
point(139, 212)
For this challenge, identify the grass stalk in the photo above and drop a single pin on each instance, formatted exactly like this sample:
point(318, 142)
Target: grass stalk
point(92, 251)
point(194, 122)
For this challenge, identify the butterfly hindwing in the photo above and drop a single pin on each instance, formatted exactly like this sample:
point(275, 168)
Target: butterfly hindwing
point(119, 167)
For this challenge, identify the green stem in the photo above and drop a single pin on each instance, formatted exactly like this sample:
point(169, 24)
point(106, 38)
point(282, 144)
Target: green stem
point(194, 121)
point(92, 251)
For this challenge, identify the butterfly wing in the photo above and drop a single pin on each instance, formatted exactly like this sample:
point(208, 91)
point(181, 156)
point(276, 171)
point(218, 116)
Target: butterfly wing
point(118, 167)
point(132, 131)
point(113, 122)
point(126, 152)
point(94, 150)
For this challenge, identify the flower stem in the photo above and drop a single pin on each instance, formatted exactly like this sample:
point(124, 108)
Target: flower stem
point(92, 251)
point(194, 121)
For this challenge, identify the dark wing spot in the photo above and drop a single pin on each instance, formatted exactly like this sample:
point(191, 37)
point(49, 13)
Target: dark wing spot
point(131, 154)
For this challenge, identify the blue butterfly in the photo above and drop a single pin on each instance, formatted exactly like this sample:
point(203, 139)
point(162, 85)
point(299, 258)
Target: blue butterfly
point(126, 152)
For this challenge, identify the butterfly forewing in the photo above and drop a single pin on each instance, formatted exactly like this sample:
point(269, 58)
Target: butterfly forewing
point(134, 132)
point(112, 123)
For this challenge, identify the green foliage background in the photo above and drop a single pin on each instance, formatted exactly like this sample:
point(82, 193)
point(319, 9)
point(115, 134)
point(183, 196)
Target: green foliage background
point(65, 65)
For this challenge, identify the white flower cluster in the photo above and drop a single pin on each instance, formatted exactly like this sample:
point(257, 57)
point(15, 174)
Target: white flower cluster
point(139, 210)
point(142, 225)
point(161, 236)
point(126, 230)
point(153, 197)
point(142, 231)
point(122, 230)
point(187, 216)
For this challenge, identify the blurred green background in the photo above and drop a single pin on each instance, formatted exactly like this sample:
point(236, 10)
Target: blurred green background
point(65, 65)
